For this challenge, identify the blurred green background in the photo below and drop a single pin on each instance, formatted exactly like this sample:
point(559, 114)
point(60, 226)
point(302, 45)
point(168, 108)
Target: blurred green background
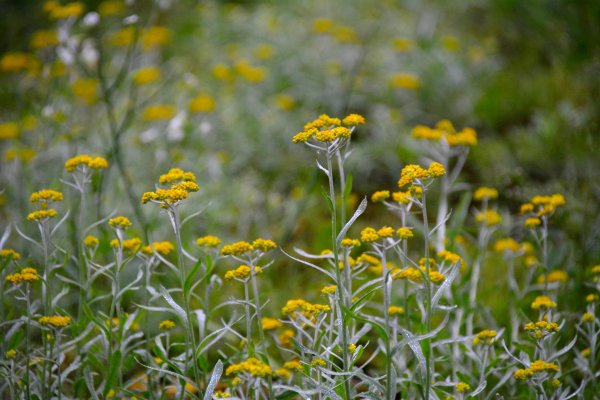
point(525, 75)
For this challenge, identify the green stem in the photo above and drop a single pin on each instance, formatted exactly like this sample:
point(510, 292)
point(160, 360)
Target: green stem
point(340, 296)
point(428, 354)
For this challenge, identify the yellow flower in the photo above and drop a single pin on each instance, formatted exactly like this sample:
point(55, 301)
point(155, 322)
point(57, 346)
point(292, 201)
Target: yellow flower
point(85, 161)
point(41, 215)
point(74, 9)
point(322, 25)
point(526, 208)
point(554, 276)
point(353, 120)
point(436, 170)
point(293, 365)
point(411, 173)
point(123, 37)
point(45, 196)
point(263, 245)
point(450, 43)
point(12, 353)
point(163, 248)
point(385, 232)
point(486, 336)
point(220, 394)
point(368, 235)
point(176, 175)
point(222, 72)
point(91, 241)
point(318, 362)
point(522, 374)
point(484, 193)
point(452, 258)
point(305, 308)
point(489, 218)
point(532, 222)
point(263, 52)
point(201, 104)
point(155, 36)
point(120, 222)
point(349, 242)
point(236, 249)
point(9, 254)
point(111, 7)
point(402, 197)
point(250, 73)
point(331, 289)
point(404, 80)
point(395, 310)
point(269, 324)
point(86, 89)
point(146, 75)
point(540, 329)
point(541, 366)
point(590, 298)
point(56, 321)
point(403, 45)
point(506, 245)
point(252, 366)
point(158, 112)
point(283, 373)
point(588, 317)
point(131, 245)
point(42, 39)
point(462, 387)
point(9, 130)
point(15, 62)
point(25, 275)
point(543, 302)
point(285, 102)
point(380, 196)
point(285, 338)
point(166, 325)
point(208, 241)
point(242, 272)
point(466, 137)
point(351, 348)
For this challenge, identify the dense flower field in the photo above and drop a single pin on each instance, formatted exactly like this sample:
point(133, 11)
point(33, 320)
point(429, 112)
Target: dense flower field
point(299, 201)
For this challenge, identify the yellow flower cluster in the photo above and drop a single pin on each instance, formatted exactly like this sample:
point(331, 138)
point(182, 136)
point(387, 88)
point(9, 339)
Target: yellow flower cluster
point(43, 39)
point(543, 302)
point(554, 276)
point(9, 130)
point(220, 394)
point(542, 205)
point(86, 161)
point(158, 112)
point(183, 184)
point(41, 215)
point(590, 298)
point(380, 196)
point(252, 366)
point(349, 242)
point(327, 129)
point(450, 257)
point(304, 308)
point(405, 80)
point(293, 365)
point(269, 324)
point(120, 222)
point(588, 317)
point(395, 310)
point(415, 275)
point(250, 72)
point(131, 245)
point(86, 89)
point(342, 33)
point(12, 353)
point(111, 7)
point(167, 325)
point(241, 272)
point(91, 241)
point(532, 222)
point(56, 321)
point(57, 11)
point(155, 36)
point(485, 193)
point(9, 254)
point(208, 241)
point(404, 233)
point(318, 362)
point(507, 245)
point(285, 338)
point(489, 218)
point(15, 61)
point(25, 275)
point(536, 367)
point(412, 173)
point(540, 329)
point(369, 234)
point(263, 245)
point(236, 248)
point(201, 104)
point(444, 130)
point(462, 387)
point(331, 289)
point(45, 196)
point(163, 248)
point(486, 336)
point(146, 75)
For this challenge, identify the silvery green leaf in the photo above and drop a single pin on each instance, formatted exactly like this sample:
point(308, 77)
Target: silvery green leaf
point(214, 379)
point(176, 307)
point(359, 210)
point(59, 223)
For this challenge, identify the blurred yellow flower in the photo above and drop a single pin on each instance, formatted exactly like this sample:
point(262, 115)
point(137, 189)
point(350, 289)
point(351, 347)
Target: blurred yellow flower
point(146, 75)
point(404, 80)
point(203, 103)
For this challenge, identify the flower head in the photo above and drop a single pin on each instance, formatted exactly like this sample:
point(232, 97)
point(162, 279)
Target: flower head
point(120, 222)
point(55, 321)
